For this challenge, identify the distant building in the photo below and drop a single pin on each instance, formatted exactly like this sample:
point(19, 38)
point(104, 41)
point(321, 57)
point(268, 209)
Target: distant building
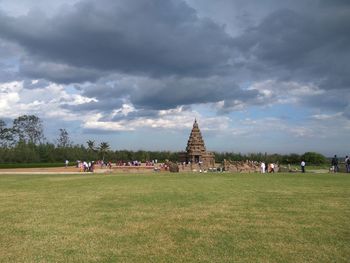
point(196, 152)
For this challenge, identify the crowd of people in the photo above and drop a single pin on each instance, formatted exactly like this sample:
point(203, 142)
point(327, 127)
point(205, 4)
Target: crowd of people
point(136, 163)
point(335, 164)
point(269, 168)
point(264, 168)
point(86, 166)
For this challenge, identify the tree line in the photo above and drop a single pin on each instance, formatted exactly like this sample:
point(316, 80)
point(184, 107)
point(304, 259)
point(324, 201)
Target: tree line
point(25, 142)
point(293, 158)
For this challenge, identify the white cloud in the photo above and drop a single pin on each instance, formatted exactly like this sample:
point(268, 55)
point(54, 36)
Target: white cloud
point(47, 102)
point(284, 92)
point(15, 100)
point(326, 116)
point(9, 97)
point(173, 119)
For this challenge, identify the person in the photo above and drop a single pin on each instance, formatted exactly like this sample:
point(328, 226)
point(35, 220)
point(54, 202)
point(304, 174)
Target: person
point(335, 164)
point(66, 163)
point(302, 166)
point(92, 167)
point(347, 164)
point(272, 168)
point(262, 167)
point(85, 166)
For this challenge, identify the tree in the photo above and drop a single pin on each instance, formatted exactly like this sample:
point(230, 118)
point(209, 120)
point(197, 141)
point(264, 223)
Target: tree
point(92, 149)
point(6, 137)
point(91, 145)
point(103, 149)
point(313, 158)
point(63, 139)
point(29, 129)
point(292, 158)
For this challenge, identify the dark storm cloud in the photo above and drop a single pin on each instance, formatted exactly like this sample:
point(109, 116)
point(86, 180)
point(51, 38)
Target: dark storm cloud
point(58, 73)
point(336, 100)
point(346, 112)
point(172, 92)
point(160, 54)
point(103, 106)
point(7, 73)
point(168, 93)
point(334, 3)
point(108, 88)
point(310, 47)
point(155, 37)
point(137, 114)
point(8, 61)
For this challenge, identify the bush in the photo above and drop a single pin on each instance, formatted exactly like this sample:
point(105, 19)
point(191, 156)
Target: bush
point(314, 158)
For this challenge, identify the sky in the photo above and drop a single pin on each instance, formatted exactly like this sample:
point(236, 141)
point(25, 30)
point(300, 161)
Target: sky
point(259, 76)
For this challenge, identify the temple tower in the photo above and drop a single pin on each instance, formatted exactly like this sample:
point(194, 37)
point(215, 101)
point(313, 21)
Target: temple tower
point(196, 152)
point(195, 146)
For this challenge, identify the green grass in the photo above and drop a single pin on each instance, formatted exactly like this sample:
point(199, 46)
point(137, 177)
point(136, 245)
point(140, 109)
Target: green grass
point(310, 167)
point(315, 168)
point(175, 218)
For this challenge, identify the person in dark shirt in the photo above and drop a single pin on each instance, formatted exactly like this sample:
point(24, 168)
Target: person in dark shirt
point(335, 164)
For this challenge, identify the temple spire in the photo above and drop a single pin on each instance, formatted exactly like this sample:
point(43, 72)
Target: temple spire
point(196, 151)
point(195, 144)
point(195, 124)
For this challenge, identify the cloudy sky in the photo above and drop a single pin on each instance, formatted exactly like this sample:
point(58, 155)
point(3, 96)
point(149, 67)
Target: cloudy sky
point(259, 76)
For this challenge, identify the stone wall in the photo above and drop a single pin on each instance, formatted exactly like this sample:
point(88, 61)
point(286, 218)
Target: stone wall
point(243, 166)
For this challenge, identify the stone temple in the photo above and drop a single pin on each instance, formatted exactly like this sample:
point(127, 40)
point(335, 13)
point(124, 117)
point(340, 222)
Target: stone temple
point(196, 152)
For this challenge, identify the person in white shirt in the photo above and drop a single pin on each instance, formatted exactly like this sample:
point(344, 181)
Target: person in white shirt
point(302, 166)
point(262, 167)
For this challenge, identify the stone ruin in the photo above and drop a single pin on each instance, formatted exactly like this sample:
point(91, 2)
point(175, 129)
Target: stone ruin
point(173, 167)
point(243, 166)
point(196, 153)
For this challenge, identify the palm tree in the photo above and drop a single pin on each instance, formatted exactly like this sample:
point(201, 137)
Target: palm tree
point(103, 148)
point(91, 145)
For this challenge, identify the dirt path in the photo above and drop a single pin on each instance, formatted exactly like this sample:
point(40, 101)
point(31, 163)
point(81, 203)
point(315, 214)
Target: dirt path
point(55, 170)
point(74, 170)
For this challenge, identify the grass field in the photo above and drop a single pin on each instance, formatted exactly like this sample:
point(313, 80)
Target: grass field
point(175, 218)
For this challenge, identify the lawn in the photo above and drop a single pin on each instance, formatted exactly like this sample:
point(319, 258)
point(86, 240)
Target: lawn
point(175, 218)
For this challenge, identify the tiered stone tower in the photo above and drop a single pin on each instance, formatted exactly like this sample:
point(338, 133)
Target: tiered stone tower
point(196, 152)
